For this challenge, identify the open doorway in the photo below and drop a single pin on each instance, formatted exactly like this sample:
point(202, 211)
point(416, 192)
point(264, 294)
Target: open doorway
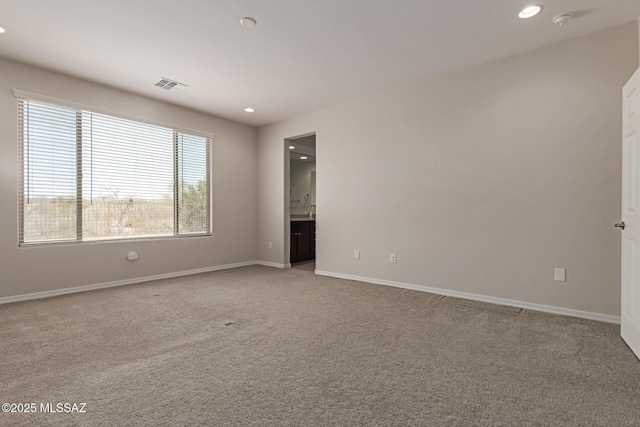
point(301, 218)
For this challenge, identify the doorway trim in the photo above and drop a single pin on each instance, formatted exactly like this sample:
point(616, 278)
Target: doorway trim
point(287, 193)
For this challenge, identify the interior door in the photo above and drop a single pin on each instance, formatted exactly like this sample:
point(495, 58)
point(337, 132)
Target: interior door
point(630, 225)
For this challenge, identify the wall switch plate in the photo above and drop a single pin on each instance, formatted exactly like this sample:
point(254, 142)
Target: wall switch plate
point(356, 254)
point(270, 245)
point(393, 258)
point(560, 274)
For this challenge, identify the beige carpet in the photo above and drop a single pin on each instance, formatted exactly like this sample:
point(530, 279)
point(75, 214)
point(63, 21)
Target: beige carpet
point(258, 346)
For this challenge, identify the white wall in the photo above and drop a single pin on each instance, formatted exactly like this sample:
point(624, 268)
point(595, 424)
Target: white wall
point(300, 173)
point(234, 163)
point(481, 181)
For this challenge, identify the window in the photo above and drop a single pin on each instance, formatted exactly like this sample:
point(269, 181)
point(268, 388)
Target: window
point(87, 176)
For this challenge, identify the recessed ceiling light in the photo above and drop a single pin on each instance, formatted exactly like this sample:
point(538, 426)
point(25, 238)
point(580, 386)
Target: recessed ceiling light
point(303, 157)
point(249, 110)
point(530, 11)
point(291, 147)
point(248, 22)
point(1, 30)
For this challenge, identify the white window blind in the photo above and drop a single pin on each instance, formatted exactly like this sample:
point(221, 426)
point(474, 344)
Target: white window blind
point(192, 190)
point(87, 176)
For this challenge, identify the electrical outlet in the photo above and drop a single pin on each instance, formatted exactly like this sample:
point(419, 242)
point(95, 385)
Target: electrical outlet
point(356, 254)
point(270, 245)
point(560, 274)
point(393, 258)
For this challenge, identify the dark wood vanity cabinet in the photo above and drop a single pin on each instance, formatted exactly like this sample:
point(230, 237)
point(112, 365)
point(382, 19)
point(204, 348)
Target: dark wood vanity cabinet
point(303, 241)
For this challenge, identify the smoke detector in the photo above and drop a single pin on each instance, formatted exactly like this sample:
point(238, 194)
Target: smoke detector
point(168, 84)
point(248, 22)
point(562, 19)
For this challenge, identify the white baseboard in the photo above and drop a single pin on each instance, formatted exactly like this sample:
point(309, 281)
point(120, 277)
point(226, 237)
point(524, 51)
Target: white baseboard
point(483, 298)
point(476, 297)
point(272, 264)
point(64, 291)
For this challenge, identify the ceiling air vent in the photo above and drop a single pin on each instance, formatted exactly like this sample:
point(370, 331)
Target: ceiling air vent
point(168, 84)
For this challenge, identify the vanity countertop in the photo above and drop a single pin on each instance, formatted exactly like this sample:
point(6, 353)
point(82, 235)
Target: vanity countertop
point(302, 218)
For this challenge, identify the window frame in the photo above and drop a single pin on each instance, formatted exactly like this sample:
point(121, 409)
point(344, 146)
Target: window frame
point(78, 107)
